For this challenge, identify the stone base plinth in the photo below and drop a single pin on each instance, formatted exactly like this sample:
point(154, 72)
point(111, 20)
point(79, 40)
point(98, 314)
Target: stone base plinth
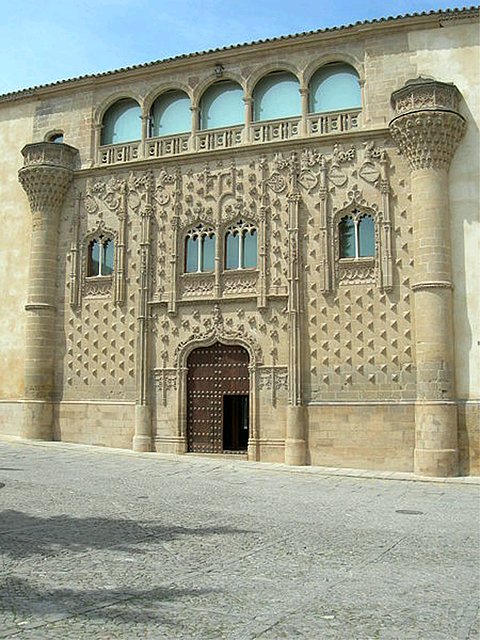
point(436, 463)
point(295, 445)
point(142, 440)
point(37, 421)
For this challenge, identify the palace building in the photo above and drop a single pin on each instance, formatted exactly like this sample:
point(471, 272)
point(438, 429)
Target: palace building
point(268, 250)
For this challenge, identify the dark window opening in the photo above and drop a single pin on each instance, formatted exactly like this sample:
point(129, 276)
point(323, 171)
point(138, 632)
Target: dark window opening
point(235, 422)
point(56, 137)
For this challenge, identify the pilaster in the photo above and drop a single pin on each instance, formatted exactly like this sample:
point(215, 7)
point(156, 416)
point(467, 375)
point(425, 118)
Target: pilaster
point(427, 129)
point(142, 439)
point(295, 442)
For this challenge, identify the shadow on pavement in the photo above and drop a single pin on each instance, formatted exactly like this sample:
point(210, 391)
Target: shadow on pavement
point(35, 605)
point(23, 535)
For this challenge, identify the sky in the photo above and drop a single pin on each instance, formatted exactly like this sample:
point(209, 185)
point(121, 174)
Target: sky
point(43, 41)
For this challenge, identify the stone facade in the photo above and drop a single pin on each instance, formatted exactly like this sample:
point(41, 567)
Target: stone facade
point(368, 362)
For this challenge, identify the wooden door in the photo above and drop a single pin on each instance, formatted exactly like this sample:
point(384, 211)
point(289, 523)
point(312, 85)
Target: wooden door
point(214, 372)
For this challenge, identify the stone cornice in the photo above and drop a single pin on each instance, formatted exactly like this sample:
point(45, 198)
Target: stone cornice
point(432, 284)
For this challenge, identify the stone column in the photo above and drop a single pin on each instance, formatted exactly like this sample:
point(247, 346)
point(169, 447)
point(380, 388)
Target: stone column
point(46, 176)
point(304, 94)
point(427, 129)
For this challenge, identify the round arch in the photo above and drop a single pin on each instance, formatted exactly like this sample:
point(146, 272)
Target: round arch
point(54, 135)
point(104, 106)
point(222, 105)
point(205, 84)
point(266, 69)
point(276, 95)
point(339, 57)
point(165, 87)
point(170, 114)
point(334, 86)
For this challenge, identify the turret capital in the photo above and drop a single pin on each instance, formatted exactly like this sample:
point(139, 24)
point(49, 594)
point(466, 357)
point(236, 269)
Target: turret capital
point(47, 173)
point(427, 126)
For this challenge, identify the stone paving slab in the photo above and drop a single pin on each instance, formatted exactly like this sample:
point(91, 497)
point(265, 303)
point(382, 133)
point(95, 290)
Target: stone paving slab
point(233, 460)
point(109, 544)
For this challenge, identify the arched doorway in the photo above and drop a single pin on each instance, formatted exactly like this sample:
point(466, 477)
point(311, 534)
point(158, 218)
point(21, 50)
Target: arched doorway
point(218, 399)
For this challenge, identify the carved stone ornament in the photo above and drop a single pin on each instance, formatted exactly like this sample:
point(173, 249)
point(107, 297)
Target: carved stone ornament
point(197, 286)
point(98, 287)
point(369, 172)
point(104, 195)
point(427, 127)
point(360, 271)
point(238, 282)
point(219, 333)
point(47, 173)
point(276, 182)
point(273, 378)
point(164, 381)
point(423, 94)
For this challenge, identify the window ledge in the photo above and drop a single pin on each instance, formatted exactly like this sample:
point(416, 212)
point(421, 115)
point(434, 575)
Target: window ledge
point(197, 274)
point(105, 278)
point(356, 261)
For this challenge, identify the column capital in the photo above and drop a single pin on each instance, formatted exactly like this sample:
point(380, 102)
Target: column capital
point(427, 126)
point(47, 173)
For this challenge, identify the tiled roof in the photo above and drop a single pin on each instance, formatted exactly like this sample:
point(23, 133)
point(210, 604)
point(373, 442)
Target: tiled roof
point(456, 12)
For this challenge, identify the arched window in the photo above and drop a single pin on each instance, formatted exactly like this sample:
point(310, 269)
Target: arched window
point(122, 122)
point(170, 114)
point(276, 96)
point(56, 137)
point(241, 246)
point(100, 257)
point(335, 87)
point(222, 105)
point(357, 236)
point(199, 249)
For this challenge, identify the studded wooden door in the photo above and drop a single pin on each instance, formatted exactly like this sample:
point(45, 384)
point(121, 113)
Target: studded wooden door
point(213, 373)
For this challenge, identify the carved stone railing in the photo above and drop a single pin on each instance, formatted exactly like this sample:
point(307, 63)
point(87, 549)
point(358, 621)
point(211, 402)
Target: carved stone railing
point(326, 123)
point(197, 285)
point(275, 130)
point(119, 153)
point(236, 283)
point(230, 137)
point(50, 154)
point(167, 146)
point(356, 271)
point(425, 95)
point(219, 138)
point(98, 286)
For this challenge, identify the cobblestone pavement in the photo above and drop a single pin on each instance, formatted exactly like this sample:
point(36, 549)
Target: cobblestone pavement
point(100, 544)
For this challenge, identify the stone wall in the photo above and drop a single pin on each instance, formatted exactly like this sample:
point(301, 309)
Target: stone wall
point(341, 339)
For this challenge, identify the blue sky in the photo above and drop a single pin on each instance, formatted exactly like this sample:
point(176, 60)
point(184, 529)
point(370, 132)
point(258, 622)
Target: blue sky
point(43, 41)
